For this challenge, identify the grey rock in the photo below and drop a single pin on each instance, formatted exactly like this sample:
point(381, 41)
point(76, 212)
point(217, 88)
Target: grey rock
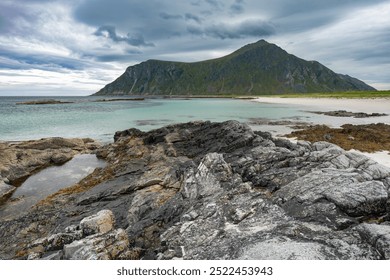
point(6, 191)
point(378, 236)
point(205, 190)
point(54, 256)
point(286, 249)
point(98, 247)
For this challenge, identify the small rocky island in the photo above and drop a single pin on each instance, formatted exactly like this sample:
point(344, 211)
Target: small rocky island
point(43, 102)
point(344, 113)
point(204, 190)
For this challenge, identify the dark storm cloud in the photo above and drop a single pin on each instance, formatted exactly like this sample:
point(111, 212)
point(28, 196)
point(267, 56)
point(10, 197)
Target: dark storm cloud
point(116, 57)
point(195, 3)
point(215, 3)
point(169, 16)
point(27, 61)
point(118, 12)
point(249, 28)
point(189, 16)
point(237, 7)
point(136, 40)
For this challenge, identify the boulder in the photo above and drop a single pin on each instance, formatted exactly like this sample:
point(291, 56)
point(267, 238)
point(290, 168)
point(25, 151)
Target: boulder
point(101, 222)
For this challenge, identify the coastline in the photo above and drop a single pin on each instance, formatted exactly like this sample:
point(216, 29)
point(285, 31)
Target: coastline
point(209, 177)
point(366, 105)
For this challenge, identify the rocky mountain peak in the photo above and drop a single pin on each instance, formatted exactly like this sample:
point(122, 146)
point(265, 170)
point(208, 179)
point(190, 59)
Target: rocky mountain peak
point(257, 68)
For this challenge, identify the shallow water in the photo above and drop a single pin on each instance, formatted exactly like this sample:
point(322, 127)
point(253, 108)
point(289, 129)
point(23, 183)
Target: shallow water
point(49, 181)
point(100, 120)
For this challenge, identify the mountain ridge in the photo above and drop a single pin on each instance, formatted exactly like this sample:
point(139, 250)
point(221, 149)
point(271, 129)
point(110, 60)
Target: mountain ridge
point(256, 68)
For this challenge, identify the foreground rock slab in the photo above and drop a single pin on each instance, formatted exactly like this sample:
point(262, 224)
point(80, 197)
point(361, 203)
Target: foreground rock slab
point(205, 190)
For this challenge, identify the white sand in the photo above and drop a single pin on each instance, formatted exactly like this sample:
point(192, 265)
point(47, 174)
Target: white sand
point(382, 157)
point(375, 105)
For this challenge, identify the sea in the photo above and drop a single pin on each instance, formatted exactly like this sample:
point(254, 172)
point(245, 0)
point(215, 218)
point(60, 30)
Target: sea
point(87, 117)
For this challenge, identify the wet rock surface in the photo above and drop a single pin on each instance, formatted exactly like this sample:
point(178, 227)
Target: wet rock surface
point(20, 160)
point(206, 190)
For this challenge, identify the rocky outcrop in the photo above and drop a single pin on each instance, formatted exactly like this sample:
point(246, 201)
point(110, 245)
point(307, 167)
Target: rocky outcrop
point(343, 113)
point(19, 160)
point(207, 190)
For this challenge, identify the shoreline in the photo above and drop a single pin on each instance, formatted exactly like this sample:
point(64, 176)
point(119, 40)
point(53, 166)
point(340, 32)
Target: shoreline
point(368, 105)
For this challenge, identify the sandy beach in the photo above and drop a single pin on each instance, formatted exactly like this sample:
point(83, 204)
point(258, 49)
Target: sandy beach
point(374, 105)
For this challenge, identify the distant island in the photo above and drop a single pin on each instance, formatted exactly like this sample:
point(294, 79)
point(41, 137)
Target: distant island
point(43, 102)
point(258, 68)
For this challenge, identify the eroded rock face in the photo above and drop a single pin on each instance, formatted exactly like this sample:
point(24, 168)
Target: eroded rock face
point(212, 191)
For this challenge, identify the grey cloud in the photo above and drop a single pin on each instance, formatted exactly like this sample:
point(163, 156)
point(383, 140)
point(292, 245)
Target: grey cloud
point(237, 7)
point(137, 40)
point(214, 3)
point(195, 3)
point(249, 28)
point(9, 13)
point(27, 61)
point(169, 16)
point(193, 17)
point(115, 57)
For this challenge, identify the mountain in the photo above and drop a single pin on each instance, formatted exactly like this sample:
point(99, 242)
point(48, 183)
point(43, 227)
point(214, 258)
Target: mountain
point(256, 68)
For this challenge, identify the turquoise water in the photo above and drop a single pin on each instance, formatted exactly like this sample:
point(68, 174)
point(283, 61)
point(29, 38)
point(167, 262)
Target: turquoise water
point(100, 120)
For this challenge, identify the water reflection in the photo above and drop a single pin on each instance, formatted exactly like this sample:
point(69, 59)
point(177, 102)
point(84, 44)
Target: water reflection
point(49, 181)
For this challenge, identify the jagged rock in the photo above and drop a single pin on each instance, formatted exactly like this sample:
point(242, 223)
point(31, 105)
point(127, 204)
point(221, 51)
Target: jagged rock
point(205, 190)
point(342, 188)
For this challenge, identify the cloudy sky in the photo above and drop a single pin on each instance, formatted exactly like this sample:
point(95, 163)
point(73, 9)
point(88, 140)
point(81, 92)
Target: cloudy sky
point(70, 47)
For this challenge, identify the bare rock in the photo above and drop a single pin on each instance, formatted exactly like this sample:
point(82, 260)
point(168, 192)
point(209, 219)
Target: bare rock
point(101, 222)
point(107, 246)
point(378, 236)
point(5, 191)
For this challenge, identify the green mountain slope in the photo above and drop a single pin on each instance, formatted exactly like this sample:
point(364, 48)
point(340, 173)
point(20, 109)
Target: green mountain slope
point(258, 68)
